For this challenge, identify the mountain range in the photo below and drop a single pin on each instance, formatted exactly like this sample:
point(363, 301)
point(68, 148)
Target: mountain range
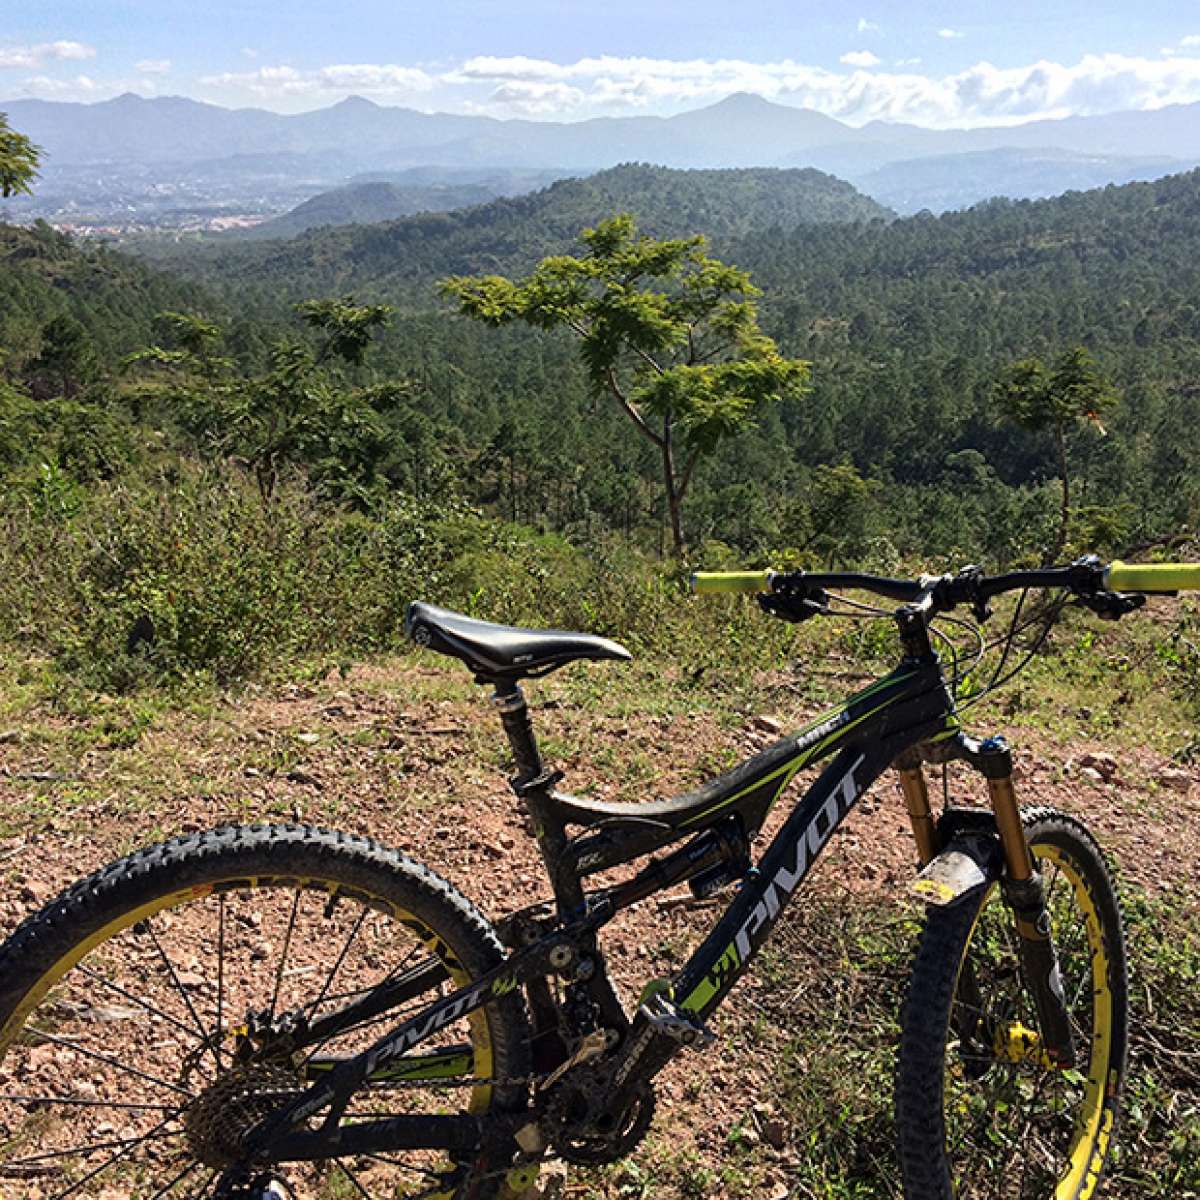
point(369, 200)
point(327, 146)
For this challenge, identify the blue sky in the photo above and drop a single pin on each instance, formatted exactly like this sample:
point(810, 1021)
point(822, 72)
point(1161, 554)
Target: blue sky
point(935, 62)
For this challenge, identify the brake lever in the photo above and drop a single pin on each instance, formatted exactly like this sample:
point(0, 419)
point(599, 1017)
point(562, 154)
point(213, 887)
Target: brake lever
point(795, 606)
point(1112, 606)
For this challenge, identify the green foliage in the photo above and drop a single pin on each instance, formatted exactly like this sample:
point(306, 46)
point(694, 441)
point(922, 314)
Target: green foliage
point(666, 331)
point(346, 327)
point(45, 276)
point(298, 412)
point(19, 159)
point(130, 583)
point(1037, 397)
point(835, 515)
point(1056, 398)
point(67, 355)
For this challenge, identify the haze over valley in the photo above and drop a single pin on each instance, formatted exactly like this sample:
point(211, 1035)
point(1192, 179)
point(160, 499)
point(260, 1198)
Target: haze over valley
point(133, 165)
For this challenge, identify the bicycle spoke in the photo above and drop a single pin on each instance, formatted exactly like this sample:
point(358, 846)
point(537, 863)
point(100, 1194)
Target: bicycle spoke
point(419, 1172)
point(138, 1000)
point(358, 1187)
point(283, 954)
point(220, 978)
point(204, 1037)
point(310, 1010)
point(170, 1187)
point(74, 1188)
point(71, 1151)
point(399, 969)
point(394, 1016)
point(113, 1062)
point(80, 1102)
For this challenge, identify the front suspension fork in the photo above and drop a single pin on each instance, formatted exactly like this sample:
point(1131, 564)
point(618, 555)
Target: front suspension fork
point(1027, 898)
point(1022, 884)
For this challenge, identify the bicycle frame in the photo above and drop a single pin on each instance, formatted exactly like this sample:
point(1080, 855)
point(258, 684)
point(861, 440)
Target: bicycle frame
point(863, 737)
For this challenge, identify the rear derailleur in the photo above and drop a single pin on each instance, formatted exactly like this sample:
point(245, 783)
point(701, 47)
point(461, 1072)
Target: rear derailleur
point(241, 1186)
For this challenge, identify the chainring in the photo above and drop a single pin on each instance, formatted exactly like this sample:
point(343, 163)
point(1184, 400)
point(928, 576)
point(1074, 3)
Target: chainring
point(581, 1128)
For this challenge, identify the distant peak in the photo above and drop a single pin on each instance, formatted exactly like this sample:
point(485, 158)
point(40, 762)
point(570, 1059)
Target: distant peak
point(356, 102)
point(744, 100)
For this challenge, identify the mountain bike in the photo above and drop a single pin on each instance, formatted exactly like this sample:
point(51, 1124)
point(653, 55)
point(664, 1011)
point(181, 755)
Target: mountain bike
point(281, 1011)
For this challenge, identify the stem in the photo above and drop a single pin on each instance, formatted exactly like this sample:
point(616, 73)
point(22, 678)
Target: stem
point(686, 478)
point(1061, 446)
point(674, 495)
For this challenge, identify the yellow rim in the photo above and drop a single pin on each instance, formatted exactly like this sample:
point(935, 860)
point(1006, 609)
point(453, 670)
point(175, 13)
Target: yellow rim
point(1094, 1127)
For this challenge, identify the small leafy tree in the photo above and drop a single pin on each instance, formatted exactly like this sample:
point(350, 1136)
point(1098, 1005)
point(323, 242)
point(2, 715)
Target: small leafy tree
point(833, 515)
point(668, 333)
point(1071, 391)
point(19, 159)
point(67, 356)
point(299, 411)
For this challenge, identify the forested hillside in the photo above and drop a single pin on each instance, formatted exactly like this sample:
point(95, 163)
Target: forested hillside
point(513, 232)
point(370, 201)
point(907, 323)
point(44, 274)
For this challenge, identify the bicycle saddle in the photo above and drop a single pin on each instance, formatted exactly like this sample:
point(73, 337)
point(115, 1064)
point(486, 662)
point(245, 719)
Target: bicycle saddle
point(502, 651)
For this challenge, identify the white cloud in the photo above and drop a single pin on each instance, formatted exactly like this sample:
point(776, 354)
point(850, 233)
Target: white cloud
point(1192, 40)
point(535, 99)
point(376, 79)
point(907, 62)
point(43, 52)
point(865, 26)
point(950, 33)
point(154, 66)
point(861, 58)
point(979, 95)
point(44, 85)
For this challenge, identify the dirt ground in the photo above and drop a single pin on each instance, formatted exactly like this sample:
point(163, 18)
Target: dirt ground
point(405, 754)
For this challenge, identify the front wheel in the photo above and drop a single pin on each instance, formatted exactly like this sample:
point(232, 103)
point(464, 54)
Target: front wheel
point(157, 1010)
point(981, 1113)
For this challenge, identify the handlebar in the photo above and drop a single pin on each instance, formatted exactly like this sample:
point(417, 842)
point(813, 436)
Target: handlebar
point(1153, 577)
point(1097, 586)
point(704, 582)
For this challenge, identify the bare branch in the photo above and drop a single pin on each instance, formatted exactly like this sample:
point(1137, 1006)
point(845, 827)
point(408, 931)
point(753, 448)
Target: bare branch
point(648, 358)
point(633, 414)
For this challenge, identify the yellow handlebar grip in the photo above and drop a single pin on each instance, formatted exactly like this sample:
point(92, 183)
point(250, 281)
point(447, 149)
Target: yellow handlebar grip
point(1152, 577)
point(705, 582)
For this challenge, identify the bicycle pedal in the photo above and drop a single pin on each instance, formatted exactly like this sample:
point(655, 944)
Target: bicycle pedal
point(665, 1018)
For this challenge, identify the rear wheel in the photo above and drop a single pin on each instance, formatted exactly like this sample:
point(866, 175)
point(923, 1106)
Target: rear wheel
point(145, 1013)
point(980, 1112)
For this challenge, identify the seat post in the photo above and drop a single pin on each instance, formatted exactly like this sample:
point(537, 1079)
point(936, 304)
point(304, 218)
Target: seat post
point(514, 713)
point(533, 785)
